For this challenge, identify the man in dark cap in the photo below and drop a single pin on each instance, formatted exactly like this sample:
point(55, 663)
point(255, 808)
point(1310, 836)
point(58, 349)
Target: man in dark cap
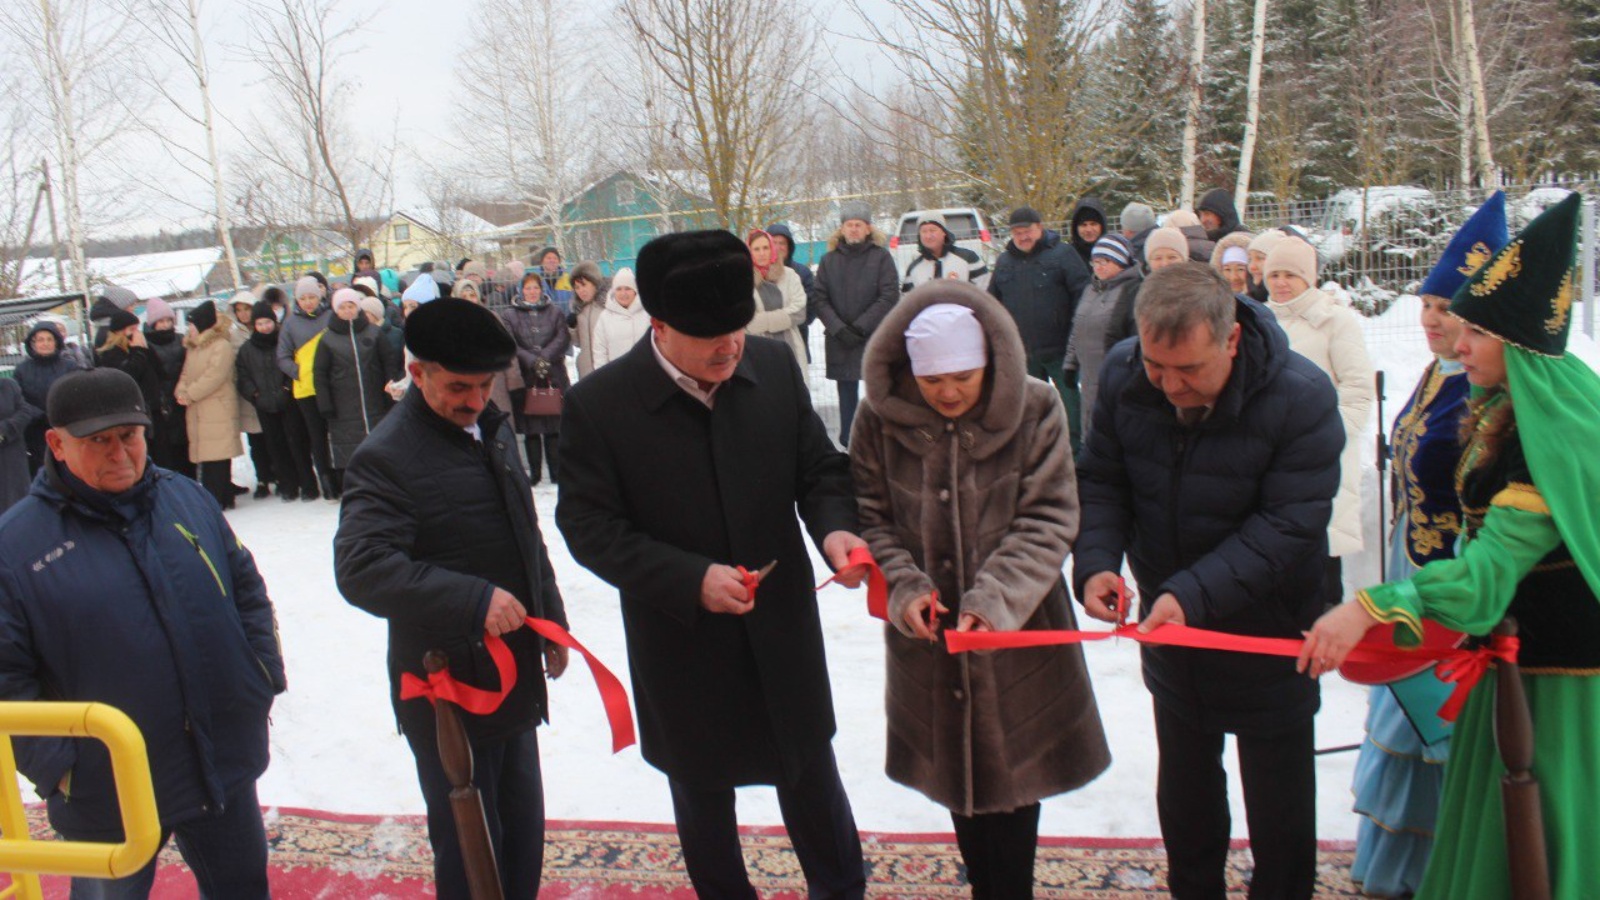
point(121, 583)
point(684, 460)
point(1038, 279)
point(438, 535)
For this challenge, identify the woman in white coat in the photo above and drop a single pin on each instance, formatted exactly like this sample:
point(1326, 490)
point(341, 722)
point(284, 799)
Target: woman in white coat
point(622, 320)
point(1328, 334)
point(780, 297)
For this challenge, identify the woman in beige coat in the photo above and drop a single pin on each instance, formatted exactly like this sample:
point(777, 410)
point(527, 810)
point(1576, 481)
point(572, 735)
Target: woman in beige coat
point(210, 400)
point(964, 479)
point(1329, 334)
point(780, 297)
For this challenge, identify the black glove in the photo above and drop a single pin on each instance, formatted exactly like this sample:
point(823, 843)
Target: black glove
point(851, 337)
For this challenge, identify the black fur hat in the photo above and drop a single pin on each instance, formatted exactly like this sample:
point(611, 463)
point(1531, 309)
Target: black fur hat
point(701, 283)
point(461, 336)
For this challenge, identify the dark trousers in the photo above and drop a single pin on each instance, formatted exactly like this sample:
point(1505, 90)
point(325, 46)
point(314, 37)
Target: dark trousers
point(1280, 805)
point(816, 813)
point(299, 441)
point(1053, 372)
point(291, 473)
point(998, 851)
point(217, 478)
point(261, 457)
point(506, 774)
point(316, 434)
point(849, 396)
point(551, 449)
point(227, 853)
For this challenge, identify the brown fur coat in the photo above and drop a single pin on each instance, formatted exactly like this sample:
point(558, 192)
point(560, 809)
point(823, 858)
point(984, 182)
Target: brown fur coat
point(983, 509)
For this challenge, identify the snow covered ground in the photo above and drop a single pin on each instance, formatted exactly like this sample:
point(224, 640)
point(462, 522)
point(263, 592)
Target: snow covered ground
point(334, 744)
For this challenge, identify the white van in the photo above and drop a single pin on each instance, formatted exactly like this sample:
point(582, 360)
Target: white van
point(971, 230)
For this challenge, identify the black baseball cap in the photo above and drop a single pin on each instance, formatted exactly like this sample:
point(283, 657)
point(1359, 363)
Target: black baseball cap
point(86, 403)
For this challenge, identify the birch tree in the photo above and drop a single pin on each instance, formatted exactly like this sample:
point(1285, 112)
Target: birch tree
point(297, 47)
point(77, 51)
point(1191, 119)
point(175, 26)
point(1252, 111)
point(525, 109)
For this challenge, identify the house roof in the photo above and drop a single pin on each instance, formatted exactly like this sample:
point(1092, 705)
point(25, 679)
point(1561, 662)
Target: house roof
point(459, 221)
point(148, 275)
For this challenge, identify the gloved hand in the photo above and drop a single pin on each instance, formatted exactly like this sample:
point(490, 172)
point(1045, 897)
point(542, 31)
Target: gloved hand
point(851, 337)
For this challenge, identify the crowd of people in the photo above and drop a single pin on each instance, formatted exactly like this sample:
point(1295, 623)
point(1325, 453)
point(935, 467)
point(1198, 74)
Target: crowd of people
point(1181, 401)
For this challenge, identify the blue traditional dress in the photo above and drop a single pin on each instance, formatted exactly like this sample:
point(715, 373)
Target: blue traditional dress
point(1399, 773)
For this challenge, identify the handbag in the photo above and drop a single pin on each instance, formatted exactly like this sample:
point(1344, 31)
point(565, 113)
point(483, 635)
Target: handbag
point(542, 401)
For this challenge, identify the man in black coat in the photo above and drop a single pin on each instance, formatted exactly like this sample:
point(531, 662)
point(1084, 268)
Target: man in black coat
point(1211, 465)
point(438, 535)
point(685, 458)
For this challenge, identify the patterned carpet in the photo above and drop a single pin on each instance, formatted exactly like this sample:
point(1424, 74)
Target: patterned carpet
point(324, 856)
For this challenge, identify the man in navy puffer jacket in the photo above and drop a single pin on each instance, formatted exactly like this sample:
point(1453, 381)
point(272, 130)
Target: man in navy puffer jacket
point(1211, 466)
point(122, 583)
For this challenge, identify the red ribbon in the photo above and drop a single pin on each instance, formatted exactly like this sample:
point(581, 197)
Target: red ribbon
point(877, 585)
point(481, 702)
point(1459, 666)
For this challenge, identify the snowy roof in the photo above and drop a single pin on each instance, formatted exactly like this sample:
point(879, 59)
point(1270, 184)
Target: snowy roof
point(459, 221)
point(148, 275)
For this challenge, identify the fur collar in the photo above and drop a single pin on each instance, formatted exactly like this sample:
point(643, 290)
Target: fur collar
point(893, 392)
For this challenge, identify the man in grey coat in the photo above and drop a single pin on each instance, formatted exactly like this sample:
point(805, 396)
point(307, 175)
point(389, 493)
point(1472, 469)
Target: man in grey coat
point(856, 286)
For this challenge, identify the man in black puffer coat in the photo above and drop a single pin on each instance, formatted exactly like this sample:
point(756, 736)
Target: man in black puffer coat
point(438, 535)
point(1211, 466)
point(1218, 214)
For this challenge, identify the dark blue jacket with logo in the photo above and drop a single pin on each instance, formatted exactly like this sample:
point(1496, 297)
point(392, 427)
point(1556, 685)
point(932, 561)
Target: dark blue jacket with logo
point(145, 601)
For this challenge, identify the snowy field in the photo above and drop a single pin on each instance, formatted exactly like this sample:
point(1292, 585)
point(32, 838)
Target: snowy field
point(334, 744)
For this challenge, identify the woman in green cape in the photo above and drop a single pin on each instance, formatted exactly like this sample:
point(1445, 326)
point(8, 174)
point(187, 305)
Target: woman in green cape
point(1529, 482)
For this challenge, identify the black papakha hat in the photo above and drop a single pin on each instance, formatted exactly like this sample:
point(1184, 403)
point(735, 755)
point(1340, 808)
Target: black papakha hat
point(86, 403)
point(461, 336)
point(701, 283)
point(1523, 295)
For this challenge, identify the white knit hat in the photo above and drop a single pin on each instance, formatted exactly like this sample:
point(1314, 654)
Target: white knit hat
point(945, 338)
point(1294, 256)
point(1166, 237)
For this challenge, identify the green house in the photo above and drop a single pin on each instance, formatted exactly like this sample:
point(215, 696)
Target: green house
point(610, 219)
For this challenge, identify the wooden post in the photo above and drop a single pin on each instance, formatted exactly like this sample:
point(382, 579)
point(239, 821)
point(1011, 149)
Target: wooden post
point(477, 853)
point(1519, 790)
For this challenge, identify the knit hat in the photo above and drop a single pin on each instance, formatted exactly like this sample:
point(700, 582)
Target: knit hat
point(1480, 238)
point(624, 278)
point(1137, 217)
point(1235, 256)
point(699, 282)
point(85, 403)
point(1024, 215)
point(1169, 238)
point(474, 268)
point(1182, 218)
point(242, 297)
point(372, 306)
point(945, 338)
point(1266, 240)
point(121, 319)
point(203, 318)
point(262, 310)
point(306, 286)
point(461, 336)
point(346, 295)
point(934, 218)
point(1114, 247)
point(320, 279)
point(157, 309)
point(423, 290)
point(121, 296)
point(368, 285)
point(1294, 256)
point(1524, 295)
point(855, 209)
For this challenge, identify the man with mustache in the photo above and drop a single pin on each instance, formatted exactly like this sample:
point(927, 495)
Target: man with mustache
point(438, 535)
point(685, 462)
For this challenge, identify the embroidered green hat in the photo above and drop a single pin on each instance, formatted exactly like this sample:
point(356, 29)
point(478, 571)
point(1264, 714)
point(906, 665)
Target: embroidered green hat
point(1524, 294)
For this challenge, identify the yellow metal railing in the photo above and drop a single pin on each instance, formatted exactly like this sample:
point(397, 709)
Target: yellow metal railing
point(26, 858)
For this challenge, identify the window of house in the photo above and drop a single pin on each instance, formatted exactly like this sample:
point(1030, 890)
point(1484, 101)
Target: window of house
point(402, 233)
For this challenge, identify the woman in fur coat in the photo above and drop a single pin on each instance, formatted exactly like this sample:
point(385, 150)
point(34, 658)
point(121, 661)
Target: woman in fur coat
point(967, 498)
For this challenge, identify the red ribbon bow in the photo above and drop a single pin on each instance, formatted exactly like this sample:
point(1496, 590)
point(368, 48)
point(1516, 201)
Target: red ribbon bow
point(877, 585)
point(481, 701)
point(1465, 668)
